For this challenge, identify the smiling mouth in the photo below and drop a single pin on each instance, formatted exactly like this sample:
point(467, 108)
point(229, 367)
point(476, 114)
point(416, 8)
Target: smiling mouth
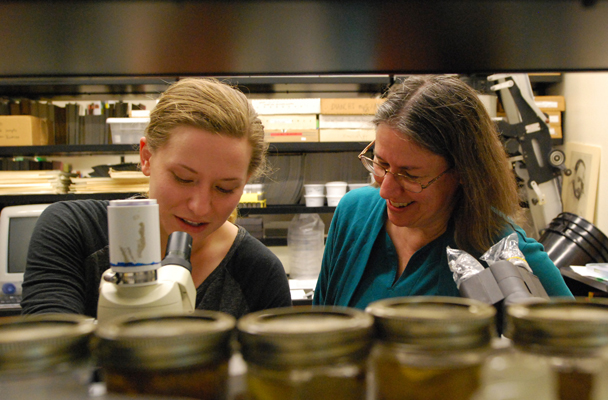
point(400, 205)
point(192, 223)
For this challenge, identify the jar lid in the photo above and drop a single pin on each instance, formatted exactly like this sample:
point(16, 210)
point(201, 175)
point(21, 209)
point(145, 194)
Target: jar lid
point(164, 341)
point(305, 336)
point(35, 343)
point(434, 322)
point(560, 325)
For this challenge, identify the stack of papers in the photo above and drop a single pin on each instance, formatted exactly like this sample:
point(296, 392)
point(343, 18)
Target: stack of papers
point(119, 182)
point(599, 272)
point(33, 182)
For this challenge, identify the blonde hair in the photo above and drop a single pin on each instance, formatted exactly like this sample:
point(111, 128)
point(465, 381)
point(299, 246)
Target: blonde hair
point(445, 116)
point(213, 106)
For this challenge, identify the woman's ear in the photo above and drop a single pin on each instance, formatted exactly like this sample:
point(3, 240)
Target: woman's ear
point(144, 156)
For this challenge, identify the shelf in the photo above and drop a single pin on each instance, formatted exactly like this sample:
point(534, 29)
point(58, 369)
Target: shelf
point(66, 149)
point(52, 198)
point(88, 149)
point(284, 209)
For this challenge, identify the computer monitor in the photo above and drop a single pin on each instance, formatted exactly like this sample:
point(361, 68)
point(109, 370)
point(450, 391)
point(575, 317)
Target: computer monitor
point(16, 228)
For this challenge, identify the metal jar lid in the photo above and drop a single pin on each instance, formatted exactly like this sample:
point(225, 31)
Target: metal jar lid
point(37, 343)
point(560, 326)
point(305, 336)
point(434, 322)
point(164, 341)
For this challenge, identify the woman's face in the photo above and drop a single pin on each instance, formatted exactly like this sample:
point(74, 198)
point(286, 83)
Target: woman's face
point(428, 210)
point(197, 179)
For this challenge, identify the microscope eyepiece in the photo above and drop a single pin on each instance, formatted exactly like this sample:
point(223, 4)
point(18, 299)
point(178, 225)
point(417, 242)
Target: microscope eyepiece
point(179, 248)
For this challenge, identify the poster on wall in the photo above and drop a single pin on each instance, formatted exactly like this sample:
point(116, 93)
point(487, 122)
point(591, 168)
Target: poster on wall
point(579, 190)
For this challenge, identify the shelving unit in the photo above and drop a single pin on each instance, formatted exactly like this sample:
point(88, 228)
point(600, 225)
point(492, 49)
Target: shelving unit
point(99, 149)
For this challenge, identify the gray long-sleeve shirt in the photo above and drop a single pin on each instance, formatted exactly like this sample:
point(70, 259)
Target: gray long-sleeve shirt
point(69, 252)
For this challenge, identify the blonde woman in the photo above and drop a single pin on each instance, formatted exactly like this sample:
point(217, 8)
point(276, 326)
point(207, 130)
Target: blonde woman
point(203, 143)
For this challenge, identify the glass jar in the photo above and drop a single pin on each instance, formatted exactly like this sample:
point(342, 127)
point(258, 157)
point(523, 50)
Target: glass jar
point(571, 335)
point(430, 348)
point(306, 353)
point(167, 354)
point(45, 356)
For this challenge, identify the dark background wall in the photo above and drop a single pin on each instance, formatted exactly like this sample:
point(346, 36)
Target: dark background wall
point(155, 38)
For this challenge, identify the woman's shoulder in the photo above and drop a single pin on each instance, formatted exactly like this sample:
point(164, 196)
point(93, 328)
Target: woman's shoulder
point(365, 197)
point(77, 210)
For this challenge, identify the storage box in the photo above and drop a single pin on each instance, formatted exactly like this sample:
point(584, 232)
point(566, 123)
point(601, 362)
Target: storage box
point(350, 106)
point(346, 121)
point(550, 103)
point(289, 121)
point(302, 135)
point(555, 131)
point(23, 130)
point(127, 130)
point(555, 117)
point(286, 106)
point(347, 135)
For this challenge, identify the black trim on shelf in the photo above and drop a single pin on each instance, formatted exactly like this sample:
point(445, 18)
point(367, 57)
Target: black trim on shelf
point(52, 198)
point(284, 209)
point(274, 241)
point(303, 147)
point(68, 149)
point(84, 149)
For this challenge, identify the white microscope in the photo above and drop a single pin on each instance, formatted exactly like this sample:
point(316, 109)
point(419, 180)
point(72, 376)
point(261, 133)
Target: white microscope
point(138, 281)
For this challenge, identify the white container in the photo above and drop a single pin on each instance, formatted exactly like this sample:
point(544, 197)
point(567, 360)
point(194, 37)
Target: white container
point(314, 200)
point(127, 130)
point(254, 188)
point(336, 188)
point(305, 242)
point(333, 201)
point(353, 186)
point(315, 189)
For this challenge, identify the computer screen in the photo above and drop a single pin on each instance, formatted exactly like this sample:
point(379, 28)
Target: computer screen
point(16, 227)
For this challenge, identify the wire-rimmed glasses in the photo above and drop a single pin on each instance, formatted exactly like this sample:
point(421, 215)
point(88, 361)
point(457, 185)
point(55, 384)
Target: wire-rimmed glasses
point(405, 181)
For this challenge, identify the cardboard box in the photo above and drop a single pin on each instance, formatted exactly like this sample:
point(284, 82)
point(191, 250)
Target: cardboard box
point(350, 106)
point(550, 103)
point(347, 135)
point(302, 135)
point(555, 131)
point(555, 117)
point(346, 121)
point(289, 121)
point(23, 130)
point(286, 106)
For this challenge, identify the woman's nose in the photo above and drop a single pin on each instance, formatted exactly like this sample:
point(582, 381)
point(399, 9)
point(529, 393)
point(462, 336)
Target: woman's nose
point(199, 202)
point(389, 186)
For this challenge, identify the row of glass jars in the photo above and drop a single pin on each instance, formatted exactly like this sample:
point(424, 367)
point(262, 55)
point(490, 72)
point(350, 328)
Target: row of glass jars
point(413, 348)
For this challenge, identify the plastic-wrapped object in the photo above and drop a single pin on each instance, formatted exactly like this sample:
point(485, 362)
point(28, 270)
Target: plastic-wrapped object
point(306, 242)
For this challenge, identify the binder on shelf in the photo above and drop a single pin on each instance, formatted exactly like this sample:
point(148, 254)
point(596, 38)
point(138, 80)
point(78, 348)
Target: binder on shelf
point(302, 135)
point(328, 121)
point(350, 106)
point(289, 121)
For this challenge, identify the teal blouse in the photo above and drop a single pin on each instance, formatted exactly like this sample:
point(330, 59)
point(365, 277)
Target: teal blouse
point(360, 260)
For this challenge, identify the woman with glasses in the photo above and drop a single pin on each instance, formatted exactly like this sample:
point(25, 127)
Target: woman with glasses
point(203, 143)
point(442, 179)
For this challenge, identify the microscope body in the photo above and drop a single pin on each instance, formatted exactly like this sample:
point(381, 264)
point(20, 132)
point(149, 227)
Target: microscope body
point(138, 280)
point(173, 290)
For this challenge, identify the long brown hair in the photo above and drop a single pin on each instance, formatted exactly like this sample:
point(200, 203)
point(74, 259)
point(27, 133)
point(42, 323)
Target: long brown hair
point(445, 116)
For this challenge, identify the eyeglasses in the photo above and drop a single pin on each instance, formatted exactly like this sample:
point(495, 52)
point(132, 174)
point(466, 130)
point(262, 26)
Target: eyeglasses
point(405, 181)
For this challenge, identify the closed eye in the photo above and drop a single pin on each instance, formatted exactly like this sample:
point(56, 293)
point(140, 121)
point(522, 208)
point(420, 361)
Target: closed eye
point(223, 190)
point(404, 174)
point(181, 180)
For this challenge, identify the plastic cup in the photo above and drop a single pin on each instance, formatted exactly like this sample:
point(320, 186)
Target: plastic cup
point(314, 200)
point(333, 201)
point(314, 189)
point(336, 188)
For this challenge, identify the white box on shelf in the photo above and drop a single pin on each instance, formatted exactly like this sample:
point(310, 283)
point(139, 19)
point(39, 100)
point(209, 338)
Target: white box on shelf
point(347, 135)
point(127, 130)
point(286, 106)
point(346, 121)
